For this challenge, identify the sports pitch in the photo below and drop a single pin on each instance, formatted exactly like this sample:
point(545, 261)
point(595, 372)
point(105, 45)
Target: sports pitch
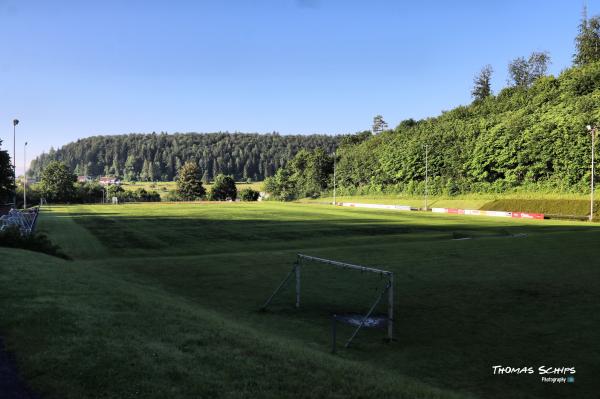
point(161, 300)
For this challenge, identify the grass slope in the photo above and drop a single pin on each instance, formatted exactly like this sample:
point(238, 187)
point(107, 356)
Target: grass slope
point(565, 205)
point(161, 301)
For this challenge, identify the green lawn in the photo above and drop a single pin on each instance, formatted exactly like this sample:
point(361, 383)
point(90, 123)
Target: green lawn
point(160, 300)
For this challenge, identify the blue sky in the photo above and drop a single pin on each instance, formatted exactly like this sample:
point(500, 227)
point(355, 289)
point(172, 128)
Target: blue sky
point(70, 69)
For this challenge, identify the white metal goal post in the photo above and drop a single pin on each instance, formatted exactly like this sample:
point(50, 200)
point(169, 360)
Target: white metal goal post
point(388, 290)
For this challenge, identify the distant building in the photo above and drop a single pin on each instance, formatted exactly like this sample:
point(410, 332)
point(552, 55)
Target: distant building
point(83, 179)
point(108, 180)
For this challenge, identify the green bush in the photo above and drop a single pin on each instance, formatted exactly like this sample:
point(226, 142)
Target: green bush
point(11, 237)
point(223, 188)
point(248, 194)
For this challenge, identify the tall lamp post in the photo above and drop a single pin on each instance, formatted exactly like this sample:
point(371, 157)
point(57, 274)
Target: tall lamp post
point(25, 176)
point(15, 123)
point(334, 203)
point(426, 173)
point(592, 130)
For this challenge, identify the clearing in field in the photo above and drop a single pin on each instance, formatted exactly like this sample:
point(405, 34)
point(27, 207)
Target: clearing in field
point(174, 290)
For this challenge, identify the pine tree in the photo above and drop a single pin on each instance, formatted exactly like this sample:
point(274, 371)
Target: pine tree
point(379, 125)
point(482, 84)
point(189, 182)
point(587, 41)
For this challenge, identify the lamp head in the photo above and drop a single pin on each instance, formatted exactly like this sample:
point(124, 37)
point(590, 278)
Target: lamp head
point(15, 122)
point(588, 127)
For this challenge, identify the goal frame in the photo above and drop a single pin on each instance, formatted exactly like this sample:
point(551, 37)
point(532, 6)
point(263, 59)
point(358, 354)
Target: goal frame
point(388, 290)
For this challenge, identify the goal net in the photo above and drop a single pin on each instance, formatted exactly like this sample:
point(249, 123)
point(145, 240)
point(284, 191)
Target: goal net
point(357, 295)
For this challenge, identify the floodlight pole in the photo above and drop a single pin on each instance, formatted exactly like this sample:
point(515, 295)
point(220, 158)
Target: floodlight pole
point(25, 176)
point(15, 123)
point(592, 185)
point(592, 130)
point(334, 203)
point(426, 172)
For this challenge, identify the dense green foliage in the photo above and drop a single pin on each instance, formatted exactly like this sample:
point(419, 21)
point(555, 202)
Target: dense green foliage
point(57, 182)
point(248, 194)
point(87, 193)
point(524, 138)
point(137, 195)
point(7, 182)
point(306, 175)
point(11, 237)
point(153, 157)
point(223, 188)
point(189, 182)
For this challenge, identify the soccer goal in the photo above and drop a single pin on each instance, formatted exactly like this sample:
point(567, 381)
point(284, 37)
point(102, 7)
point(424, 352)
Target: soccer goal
point(374, 297)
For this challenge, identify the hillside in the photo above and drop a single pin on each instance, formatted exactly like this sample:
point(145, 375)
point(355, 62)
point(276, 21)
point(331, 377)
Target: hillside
point(149, 157)
point(532, 138)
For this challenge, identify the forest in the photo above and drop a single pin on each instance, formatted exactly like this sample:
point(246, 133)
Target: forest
point(532, 135)
point(158, 157)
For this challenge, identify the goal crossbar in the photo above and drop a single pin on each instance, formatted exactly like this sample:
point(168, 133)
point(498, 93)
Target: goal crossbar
point(345, 265)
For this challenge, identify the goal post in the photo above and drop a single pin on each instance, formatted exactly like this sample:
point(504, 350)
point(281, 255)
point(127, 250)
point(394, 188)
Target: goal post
point(386, 293)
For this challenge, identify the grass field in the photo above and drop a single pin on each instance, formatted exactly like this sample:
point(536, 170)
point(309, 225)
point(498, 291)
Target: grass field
point(160, 300)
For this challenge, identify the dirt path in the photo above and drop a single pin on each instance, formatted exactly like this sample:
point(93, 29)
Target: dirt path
point(11, 385)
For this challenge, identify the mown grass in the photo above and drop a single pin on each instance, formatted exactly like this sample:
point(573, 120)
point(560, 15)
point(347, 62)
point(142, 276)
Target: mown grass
point(161, 301)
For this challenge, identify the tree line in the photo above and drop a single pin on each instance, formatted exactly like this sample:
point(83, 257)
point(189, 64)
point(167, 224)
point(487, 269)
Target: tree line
point(531, 135)
point(158, 157)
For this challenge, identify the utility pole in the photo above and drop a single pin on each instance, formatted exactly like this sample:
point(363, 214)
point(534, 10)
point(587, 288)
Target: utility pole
point(334, 203)
point(15, 123)
point(426, 173)
point(25, 176)
point(592, 130)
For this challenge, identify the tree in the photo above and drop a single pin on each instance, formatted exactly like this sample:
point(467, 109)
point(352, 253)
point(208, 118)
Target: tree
point(249, 194)
point(223, 188)
point(130, 174)
point(154, 156)
point(7, 182)
point(518, 72)
point(189, 182)
point(379, 125)
point(524, 72)
point(587, 42)
point(482, 84)
point(307, 175)
point(57, 182)
point(538, 65)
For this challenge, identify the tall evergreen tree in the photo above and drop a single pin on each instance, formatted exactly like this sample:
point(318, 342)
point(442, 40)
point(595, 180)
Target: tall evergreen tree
point(587, 42)
point(482, 84)
point(189, 182)
point(379, 125)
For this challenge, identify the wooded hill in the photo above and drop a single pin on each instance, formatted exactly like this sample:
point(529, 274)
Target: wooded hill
point(532, 136)
point(150, 157)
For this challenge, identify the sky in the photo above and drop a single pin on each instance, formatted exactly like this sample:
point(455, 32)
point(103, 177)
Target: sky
point(72, 69)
